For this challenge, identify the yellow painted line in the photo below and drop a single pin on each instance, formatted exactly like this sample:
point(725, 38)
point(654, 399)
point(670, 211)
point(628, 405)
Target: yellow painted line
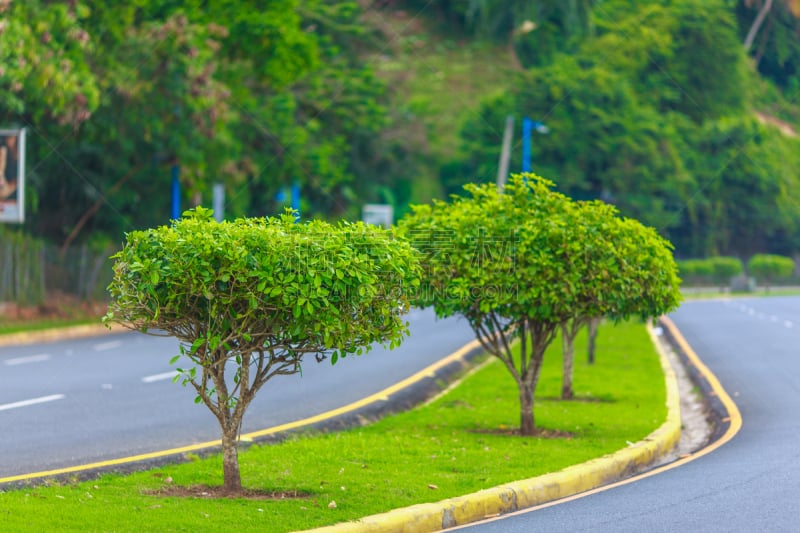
point(248, 437)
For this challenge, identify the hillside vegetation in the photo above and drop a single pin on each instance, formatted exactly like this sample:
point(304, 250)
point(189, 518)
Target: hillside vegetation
point(681, 113)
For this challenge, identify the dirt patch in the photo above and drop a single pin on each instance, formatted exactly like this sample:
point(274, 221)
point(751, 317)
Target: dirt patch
point(785, 127)
point(215, 492)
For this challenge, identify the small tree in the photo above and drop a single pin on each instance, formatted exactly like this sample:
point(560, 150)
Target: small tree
point(696, 271)
point(512, 265)
point(768, 267)
point(249, 299)
point(724, 268)
point(624, 269)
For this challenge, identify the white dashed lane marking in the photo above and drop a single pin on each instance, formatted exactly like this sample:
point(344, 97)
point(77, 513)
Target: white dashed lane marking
point(38, 358)
point(772, 318)
point(33, 401)
point(159, 377)
point(104, 346)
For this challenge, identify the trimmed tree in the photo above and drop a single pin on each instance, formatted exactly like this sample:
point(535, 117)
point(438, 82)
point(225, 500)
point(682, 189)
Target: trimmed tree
point(625, 269)
point(249, 299)
point(512, 266)
point(769, 267)
point(723, 269)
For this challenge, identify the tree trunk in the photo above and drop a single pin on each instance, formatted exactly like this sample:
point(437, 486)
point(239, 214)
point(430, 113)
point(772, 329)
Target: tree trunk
point(751, 35)
point(594, 323)
point(526, 421)
point(568, 351)
point(230, 461)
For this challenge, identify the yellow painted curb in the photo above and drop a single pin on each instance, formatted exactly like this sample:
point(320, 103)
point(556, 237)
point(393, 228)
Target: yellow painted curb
point(55, 334)
point(535, 491)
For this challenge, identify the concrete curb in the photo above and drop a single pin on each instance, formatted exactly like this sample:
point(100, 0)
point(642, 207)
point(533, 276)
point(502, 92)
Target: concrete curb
point(539, 490)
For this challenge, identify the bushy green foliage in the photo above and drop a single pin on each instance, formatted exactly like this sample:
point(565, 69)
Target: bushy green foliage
point(251, 95)
point(717, 269)
point(768, 268)
point(724, 268)
point(651, 115)
point(694, 270)
point(521, 263)
point(256, 296)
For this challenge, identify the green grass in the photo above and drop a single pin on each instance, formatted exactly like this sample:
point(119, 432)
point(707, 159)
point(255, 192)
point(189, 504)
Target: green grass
point(9, 327)
point(454, 445)
point(706, 293)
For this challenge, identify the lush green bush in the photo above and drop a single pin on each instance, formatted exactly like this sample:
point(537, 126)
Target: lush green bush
point(254, 296)
point(718, 270)
point(724, 268)
point(695, 271)
point(767, 268)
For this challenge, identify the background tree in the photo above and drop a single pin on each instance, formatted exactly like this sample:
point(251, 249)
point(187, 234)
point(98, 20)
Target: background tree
point(511, 265)
point(743, 202)
point(249, 299)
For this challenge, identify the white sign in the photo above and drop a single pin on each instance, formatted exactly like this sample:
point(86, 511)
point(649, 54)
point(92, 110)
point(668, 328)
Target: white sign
point(12, 175)
point(378, 214)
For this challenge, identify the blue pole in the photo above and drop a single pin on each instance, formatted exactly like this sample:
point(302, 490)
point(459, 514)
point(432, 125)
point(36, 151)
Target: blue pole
point(176, 193)
point(527, 129)
point(296, 200)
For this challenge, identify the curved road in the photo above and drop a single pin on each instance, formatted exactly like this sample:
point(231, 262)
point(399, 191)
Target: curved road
point(82, 401)
point(752, 483)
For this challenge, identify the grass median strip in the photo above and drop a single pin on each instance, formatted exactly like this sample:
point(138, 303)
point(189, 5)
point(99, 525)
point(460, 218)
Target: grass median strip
point(457, 444)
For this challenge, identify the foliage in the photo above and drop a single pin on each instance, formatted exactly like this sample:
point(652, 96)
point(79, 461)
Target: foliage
point(768, 268)
point(539, 260)
point(694, 270)
point(650, 107)
point(617, 121)
point(254, 97)
point(775, 48)
point(746, 185)
point(43, 62)
point(255, 296)
point(724, 268)
point(717, 269)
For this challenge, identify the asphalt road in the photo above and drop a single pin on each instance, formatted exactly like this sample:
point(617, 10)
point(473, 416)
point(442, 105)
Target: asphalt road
point(82, 401)
point(752, 483)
